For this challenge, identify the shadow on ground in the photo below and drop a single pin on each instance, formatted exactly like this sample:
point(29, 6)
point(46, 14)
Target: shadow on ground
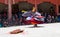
point(35, 27)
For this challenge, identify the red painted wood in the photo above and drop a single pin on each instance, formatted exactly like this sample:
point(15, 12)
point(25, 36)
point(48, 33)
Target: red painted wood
point(38, 1)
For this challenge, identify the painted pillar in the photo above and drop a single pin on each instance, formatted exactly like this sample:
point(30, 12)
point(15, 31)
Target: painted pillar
point(13, 1)
point(5, 1)
point(9, 10)
point(57, 9)
point(36, 4)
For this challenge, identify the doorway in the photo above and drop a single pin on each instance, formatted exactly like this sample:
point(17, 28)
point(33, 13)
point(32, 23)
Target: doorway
point(47, 7)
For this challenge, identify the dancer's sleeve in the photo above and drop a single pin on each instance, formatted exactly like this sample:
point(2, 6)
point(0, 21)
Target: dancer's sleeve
point(24, 14)
point(37, 13)
point(28, 18)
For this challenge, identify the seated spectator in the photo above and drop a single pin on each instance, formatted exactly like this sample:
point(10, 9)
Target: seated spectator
point(5, 24)
point(49, 19)
point(58, 18)
point(1, 24)
point(19, 14)
point(53, 19)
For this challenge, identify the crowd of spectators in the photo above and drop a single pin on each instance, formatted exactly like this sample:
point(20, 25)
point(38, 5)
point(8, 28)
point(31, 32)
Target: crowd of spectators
point(18, 19)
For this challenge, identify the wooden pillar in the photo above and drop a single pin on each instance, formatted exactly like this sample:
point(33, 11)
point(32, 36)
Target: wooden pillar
point(57, 7)
point(57, 10)
point(36, 5)
point(5, 1)
point(13, 1)
point(9, 10)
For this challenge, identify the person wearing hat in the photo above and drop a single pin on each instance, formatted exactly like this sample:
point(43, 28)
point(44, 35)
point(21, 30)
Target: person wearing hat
point(33, 17)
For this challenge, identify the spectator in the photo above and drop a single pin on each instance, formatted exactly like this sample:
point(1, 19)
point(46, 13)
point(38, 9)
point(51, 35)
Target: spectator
point(49, 19)
point(20, 17)
point(58, 18)
point(5, 16)
point(53, 19)
point(5, 24)
point(1, 24)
